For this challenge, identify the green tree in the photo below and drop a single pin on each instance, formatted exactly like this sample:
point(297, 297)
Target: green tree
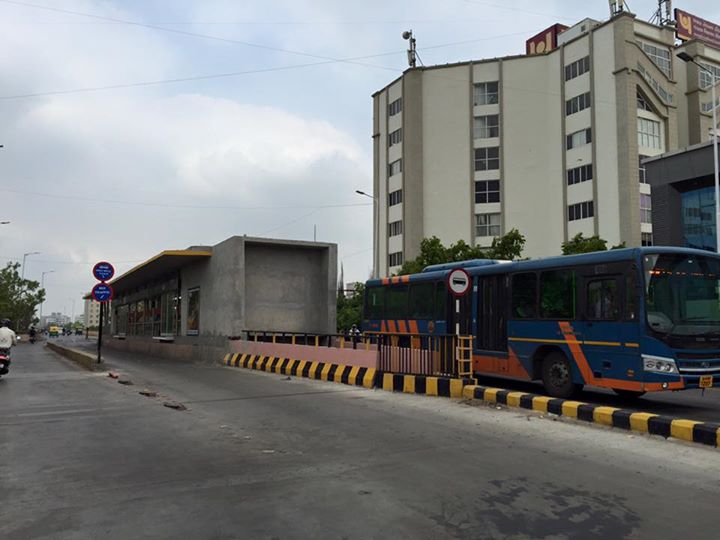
point(432, 251)
point(19, 298)
point(580, 244)
point(349, 308)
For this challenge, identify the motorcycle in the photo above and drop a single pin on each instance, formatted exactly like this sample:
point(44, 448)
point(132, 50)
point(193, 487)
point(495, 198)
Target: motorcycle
point(4, 361)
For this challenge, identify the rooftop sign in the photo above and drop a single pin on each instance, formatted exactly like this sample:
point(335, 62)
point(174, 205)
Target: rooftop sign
point(545, 41)
point(692, 27)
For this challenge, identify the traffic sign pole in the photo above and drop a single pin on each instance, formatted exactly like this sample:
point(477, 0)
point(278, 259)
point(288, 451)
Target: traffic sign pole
point(100, 333)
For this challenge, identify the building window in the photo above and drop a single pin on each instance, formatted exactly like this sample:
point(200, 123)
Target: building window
point(642, 103)
point(486, 127)
point(580, 174)
point(642, 172)
point(666, 96)
point(395, 107)
point(698, 218)
point(193, 314)
point(646, 239)
point(581, 210)
point(487, 224)
point(577, 104)
point(660, 56)
point(395, 228)
point(645, 208)
point(487, 159)
point(579, 138)
point(395, 197)
point(395, 259)
point(487, 191)
point(395, 167)
point(485, 93)
point(648, 133)
point(395, 137)
point(706, 80)
point(577, 68)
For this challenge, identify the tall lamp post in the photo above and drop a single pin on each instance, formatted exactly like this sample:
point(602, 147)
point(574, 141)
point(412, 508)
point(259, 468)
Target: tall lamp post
point(25, 256)
point(376, 227)
point(687, 58)
point(42, 286)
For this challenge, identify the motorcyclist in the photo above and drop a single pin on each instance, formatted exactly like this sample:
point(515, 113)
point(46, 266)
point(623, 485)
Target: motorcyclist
point(32, 333)
point(7, 336)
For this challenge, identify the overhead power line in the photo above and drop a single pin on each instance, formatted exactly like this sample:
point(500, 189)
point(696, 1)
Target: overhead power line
point(186, 206)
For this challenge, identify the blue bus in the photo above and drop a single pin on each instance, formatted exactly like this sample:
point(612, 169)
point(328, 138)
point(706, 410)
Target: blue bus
point(633, 320)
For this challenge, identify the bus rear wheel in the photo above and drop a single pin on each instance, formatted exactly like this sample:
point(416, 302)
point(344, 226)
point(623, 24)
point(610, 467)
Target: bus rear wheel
point(557, 376)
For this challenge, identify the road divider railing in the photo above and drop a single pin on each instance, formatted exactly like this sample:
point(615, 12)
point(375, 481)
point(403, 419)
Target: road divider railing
point(348, 340)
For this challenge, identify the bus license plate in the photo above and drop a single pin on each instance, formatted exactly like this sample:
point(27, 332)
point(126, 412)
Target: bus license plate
point(706, 381)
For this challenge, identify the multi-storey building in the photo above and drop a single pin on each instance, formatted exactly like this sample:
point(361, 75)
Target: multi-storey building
point(550, 144)
point(91, 317)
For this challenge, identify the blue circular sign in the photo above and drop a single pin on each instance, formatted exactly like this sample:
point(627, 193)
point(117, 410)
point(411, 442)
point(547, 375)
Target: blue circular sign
point(102, 292)
point(103, 271)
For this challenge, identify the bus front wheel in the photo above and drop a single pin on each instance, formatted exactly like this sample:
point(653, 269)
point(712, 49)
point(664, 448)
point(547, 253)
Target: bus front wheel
point(557, 376)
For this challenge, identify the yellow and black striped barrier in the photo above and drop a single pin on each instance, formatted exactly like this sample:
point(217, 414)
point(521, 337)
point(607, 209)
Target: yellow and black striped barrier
point(321, 371)
point(654, 424)
point(423, 384)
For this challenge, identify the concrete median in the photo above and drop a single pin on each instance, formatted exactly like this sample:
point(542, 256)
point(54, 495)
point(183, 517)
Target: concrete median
point(86, 360)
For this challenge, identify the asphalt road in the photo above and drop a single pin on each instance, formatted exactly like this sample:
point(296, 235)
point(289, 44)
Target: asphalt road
point(260, 456)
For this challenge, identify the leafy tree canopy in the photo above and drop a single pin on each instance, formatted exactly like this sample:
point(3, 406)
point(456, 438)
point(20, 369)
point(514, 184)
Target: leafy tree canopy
point(579, 244)
point(349, 308)
point(19, 298)
point(432, 251)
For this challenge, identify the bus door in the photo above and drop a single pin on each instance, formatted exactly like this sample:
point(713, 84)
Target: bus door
point(607, 320)
point(491, 322)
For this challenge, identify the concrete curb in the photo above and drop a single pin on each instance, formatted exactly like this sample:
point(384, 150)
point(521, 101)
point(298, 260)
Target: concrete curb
point(88, 361)
point(321, 371)
point(423, 384)
point(642, 422)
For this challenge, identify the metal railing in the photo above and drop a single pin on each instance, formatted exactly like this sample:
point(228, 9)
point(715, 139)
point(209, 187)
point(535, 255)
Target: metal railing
point(417, 354)
point(339, 341)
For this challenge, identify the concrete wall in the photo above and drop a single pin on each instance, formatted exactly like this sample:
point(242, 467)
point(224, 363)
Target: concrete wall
point(220, 279)
point(328, 355)
point(291, 289)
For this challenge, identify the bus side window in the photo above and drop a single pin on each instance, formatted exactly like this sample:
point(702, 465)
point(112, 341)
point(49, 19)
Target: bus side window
point(631, 300)
point(375, 302)
point(524, 296)
point(397, 301)
point(440, 301)
point(557, 294)
point(421, 300)
point(603, 302)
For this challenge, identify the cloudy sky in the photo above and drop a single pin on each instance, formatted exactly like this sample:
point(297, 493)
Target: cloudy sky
point(133, 126)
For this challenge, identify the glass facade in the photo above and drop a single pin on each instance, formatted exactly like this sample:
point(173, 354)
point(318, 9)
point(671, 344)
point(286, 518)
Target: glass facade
point(698, 218)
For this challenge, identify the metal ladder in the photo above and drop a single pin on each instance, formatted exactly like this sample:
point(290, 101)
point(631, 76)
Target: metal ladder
point(463, 356)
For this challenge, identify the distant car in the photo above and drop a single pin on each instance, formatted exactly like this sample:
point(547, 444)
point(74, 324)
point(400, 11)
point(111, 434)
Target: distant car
point(78, 331)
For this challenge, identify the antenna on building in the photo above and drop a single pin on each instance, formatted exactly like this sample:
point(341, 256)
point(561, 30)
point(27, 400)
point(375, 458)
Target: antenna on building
point(616, 6)
point(412, 55)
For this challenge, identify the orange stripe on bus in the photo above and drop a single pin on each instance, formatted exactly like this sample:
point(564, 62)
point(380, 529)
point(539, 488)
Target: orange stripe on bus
point(391, 327)
point(405, 279)
point(402, 327)
point(414, 327)
point(383, 326)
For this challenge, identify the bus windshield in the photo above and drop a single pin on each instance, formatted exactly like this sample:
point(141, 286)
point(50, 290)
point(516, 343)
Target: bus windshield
point(681, 294)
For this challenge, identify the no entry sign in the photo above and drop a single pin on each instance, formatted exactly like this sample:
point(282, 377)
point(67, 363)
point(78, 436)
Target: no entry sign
point(102, 292)
point(458, 282)
point(103, 271)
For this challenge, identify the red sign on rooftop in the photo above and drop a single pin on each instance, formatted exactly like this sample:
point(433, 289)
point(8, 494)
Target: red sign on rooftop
point(692, 27)
point(545, 41)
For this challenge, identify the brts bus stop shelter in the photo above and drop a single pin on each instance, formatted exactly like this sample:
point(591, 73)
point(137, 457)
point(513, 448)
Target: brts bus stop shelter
point(189, 303)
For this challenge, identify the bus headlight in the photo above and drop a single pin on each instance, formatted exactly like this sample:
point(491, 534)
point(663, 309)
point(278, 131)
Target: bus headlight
point(659, 364)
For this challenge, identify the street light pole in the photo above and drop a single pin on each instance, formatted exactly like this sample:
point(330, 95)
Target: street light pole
point(376, 227)
point(25, 255)
point(714, 106)
point(42, 286)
